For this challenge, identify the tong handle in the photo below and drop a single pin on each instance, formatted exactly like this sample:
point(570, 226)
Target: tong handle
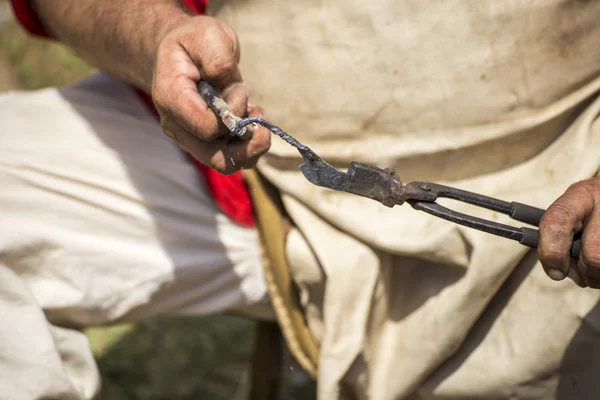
point(532, 216)
point(528, 214)
point(531, 238)
point(520, 212)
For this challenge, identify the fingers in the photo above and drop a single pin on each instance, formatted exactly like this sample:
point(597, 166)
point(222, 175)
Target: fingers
point(213, 154)
point(205, 48)
point(589, 261)
point(196, 147)
point(565, 217)
point(216, 53)
point(222, 154)
point(234, 39)
point(261, 139)
point(176, 97)
point(236, 97)
point(243, 154)
point(208, 49)
point(254, 110)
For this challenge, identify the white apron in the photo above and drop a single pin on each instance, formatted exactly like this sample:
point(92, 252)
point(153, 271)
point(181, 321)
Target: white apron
point(493, 96)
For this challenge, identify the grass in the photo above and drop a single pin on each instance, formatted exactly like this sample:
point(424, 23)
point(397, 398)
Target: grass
point(37, 63)
point(162, 358)
point(174, 358)
point(182, 358)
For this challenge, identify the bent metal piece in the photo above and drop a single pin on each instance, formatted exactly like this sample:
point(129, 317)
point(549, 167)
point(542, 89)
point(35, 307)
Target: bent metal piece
point(384, 186)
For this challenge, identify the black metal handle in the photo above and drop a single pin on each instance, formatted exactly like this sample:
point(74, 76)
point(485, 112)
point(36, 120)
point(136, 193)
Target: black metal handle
point(531, 238)
point(532, 216)
point(528, 214)
point(526, 236)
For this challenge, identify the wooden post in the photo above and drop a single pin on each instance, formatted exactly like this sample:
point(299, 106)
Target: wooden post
point(267, 360)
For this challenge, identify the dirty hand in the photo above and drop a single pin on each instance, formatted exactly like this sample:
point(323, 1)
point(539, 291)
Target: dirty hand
point(576, 211)
point(197, 48)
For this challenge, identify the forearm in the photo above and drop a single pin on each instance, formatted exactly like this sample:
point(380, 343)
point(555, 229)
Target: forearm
point(117, 36)
point(156, 46)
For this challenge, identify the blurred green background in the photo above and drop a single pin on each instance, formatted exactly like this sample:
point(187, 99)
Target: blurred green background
point(162, 358)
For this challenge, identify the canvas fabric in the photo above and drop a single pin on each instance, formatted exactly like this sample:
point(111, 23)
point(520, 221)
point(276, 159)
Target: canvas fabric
point(496, 97)
point(103, 220)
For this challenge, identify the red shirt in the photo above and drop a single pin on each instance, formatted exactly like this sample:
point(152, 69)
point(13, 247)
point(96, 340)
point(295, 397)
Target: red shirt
point(229, 191)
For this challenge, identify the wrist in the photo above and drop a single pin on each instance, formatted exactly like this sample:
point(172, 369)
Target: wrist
point(169, 17)
point(166, 18)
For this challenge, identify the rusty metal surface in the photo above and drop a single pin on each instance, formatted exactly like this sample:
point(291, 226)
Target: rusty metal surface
point(220, 108)
point(382, 185)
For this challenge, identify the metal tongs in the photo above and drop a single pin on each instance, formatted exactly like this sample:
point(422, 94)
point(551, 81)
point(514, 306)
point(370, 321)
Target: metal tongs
point(384, 186)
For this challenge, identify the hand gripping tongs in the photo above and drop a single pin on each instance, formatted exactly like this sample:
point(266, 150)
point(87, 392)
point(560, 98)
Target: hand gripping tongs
point(384, 186)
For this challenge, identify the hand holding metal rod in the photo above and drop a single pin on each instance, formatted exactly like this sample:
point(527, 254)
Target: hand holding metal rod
point(383, 186)
point(218, 105)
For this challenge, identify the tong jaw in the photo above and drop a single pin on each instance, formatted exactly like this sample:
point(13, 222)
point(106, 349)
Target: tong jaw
point(363, 180)
point(375, 183)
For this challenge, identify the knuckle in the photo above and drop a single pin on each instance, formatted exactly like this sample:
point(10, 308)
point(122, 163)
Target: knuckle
point(260, 149)
point(590, 255)
point(556, 216)
point(220, 66)
point(161, 98)
point(226, 169)
point(199, 127)
point(202, 125)
point(581, 189)
point(257, 111)
point(239, 107)
point(158, 96)
point(208, 132)
point(550, 256)
point(576, 186)
point(223, 165)
point(237, 90)
point(585, 184)
point(229, 31)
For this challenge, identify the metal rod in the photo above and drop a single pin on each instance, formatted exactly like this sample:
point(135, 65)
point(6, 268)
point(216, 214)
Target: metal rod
point(475, 199)
point(495, 228)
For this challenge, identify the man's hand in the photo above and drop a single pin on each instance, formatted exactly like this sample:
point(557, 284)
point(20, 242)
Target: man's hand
point(158, 47)
point(204, 48)
point(576, 211)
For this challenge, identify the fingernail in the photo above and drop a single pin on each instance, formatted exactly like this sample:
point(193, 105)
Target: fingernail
point(556, 274)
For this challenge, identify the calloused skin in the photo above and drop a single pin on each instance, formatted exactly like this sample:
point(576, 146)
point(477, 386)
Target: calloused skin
point(576, 211)
point(157, 46)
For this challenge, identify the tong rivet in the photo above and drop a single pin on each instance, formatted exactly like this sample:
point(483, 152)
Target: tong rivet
point(425, 187)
